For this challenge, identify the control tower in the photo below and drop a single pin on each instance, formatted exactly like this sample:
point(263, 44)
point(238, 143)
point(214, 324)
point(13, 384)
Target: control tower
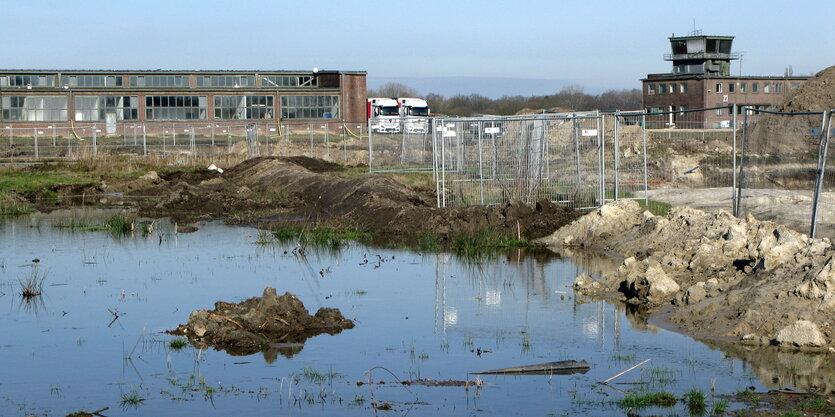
point(697, 54)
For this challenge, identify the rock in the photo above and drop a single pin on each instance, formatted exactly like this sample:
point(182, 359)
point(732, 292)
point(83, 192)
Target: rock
point(695, 293)
point(582, 281)
point(151, 176)
point(659, 285)
point(802, 333)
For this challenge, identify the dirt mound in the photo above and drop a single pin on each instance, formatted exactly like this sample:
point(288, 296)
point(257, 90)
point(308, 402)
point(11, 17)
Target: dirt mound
point(313, 164)
point(758, 282)
point(282, 190)
point(816, 94)
point(260, 324)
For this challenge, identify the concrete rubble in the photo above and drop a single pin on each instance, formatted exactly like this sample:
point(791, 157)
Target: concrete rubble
point(757, 282)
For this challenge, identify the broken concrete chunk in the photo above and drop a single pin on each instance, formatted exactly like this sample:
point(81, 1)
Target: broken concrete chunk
point(802, 333)
point(659, 284)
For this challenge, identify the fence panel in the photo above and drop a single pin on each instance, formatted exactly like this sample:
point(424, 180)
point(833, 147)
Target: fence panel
point(401, 144)
point(824, 215)
point(778, 166)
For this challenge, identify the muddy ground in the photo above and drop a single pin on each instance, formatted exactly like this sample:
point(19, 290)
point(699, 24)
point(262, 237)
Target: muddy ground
point(711, 274)
point(271, 324)
point(280, 190)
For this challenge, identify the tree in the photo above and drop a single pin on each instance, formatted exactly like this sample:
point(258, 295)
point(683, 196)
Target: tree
point(393, 90)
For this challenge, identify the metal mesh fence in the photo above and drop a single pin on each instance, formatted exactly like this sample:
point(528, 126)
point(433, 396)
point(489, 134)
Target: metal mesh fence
point(400, 144)
point(779, 157)
point(343, 142)
point(824, 212)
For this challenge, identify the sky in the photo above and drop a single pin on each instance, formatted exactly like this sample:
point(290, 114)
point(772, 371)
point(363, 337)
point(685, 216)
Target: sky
point(492, 48)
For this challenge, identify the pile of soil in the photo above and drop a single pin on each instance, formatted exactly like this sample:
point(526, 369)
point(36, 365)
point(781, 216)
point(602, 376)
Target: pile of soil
point(714, 274)
point(260, 323)
point(816, 94)
point(301, 189)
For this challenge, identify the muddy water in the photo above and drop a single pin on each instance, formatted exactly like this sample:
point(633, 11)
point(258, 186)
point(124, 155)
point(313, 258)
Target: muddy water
point(418, 316)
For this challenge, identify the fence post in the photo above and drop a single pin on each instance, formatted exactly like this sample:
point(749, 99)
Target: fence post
point(480, 164)
point(370, 153)
point(95, 141)
point(646, 174)
point(823, 147)
point(36, 143)
point(734, 203)
point(144, 141)
point(741, 163)
point(577, 156)
point(617, 154)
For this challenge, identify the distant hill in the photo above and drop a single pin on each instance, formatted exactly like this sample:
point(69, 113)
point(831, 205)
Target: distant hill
point(490, 87)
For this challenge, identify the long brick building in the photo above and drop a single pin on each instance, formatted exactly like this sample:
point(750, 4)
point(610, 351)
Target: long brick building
point(34, 98)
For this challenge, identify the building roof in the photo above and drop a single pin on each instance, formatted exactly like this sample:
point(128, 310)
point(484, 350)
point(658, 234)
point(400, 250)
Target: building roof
point(172, 71)
point(675, 77)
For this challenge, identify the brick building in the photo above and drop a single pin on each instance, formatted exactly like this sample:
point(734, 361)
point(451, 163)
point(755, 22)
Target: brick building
point(701, 79)
point(33, 98)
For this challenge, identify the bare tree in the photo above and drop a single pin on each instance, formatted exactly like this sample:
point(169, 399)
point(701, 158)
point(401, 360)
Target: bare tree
point(393, 89)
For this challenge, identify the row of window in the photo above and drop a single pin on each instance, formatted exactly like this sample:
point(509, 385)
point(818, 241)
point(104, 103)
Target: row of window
point(267, 81)
point(668, 88)
point(168, 107)
point(768, 88)
point(731, 87)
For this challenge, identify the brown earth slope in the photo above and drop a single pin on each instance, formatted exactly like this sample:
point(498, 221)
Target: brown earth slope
point(285, 190)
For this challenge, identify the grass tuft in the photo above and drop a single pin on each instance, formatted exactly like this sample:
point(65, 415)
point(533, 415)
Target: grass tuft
point(32, 285)
point(131, 399)
point(121, 223)
point(484, 243)
point(661, 399)
point(177, 343)
point(695, 399)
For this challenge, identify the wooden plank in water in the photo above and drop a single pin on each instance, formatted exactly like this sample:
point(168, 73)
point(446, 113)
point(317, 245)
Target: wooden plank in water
point(548, 368)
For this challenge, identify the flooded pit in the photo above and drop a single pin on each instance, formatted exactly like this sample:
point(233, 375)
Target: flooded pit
point(417, 316)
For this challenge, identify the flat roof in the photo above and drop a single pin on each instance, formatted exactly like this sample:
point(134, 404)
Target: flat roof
point(671, 77)
point(174, 72)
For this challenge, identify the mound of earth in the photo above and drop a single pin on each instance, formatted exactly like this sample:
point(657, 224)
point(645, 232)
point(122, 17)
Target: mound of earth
point(260, 324)
point(717, 275)
point(816, 94)
point(286, 189)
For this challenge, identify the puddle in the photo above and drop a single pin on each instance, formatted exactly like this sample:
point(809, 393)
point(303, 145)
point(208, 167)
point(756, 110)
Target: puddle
point(96, 340)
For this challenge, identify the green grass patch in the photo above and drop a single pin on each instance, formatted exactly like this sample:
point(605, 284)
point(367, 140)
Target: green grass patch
point(695, 399)
point(429, 242)
point(719, 407)
point(178, 343)
point(660, 399)
point(36, 181)
point(121, 223)
point(657, 208)
point(484, 243)
point(317, 236)
point(9, 207)
point(132, 399)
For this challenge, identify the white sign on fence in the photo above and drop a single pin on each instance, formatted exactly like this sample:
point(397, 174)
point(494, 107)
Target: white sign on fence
point(492, 130)
point(589, 132)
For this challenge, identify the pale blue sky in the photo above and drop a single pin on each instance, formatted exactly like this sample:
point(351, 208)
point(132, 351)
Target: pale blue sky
point(597, 44)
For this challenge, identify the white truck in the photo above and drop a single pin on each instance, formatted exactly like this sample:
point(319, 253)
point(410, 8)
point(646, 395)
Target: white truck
point(415, 114)
point(383, 115)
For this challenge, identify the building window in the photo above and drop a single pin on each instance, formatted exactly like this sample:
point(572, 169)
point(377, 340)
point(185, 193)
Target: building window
point(309, 107)
point(226, 81)
point(650, 89)
point(91, 80)
point(682, 88)
point(288, 81)
point(794, 85)
point(34, 108)
point(778, 87)
point(95, 108)
point(755, 88)
point(742, 87)
point(158, 81)
point(175, 107)
point(718, 87)
point(656, 109)
point(243, 107)
point(719, 111)
point(767, 88)
point(731, 87)
point(26, 80)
